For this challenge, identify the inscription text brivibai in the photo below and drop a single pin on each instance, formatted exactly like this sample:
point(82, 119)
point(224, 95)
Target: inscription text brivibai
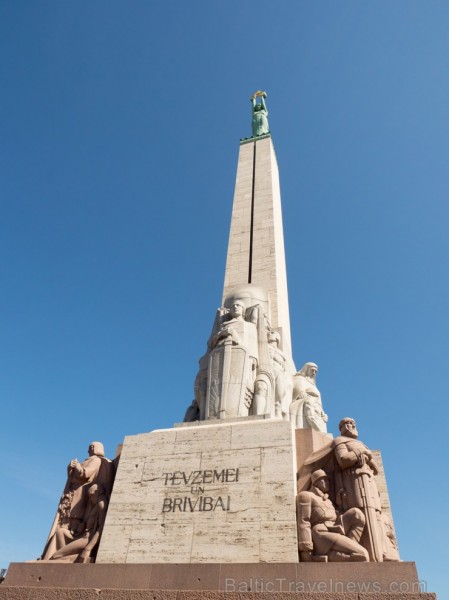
point(196, 481)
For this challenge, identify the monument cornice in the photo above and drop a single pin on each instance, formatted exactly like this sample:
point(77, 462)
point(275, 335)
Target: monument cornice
point(254, 138)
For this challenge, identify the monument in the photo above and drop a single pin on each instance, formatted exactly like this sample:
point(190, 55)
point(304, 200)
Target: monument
point(250, 493)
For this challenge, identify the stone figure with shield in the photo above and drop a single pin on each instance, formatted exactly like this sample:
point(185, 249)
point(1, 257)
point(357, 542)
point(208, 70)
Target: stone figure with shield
point(244, 371)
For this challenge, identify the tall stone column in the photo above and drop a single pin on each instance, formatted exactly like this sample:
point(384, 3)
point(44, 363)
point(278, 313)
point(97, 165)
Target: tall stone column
point(256, 241)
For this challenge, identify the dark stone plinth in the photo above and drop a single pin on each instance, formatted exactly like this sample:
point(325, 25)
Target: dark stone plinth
point(262, 578)
point(31, 593)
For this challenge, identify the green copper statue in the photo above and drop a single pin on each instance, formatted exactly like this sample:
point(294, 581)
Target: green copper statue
point(260, 114)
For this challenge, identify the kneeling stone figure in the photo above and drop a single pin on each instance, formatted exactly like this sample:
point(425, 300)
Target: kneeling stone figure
point(323, 534)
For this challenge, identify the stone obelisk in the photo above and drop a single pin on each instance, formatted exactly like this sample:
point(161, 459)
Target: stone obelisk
point(256, 240)
point(248, 367)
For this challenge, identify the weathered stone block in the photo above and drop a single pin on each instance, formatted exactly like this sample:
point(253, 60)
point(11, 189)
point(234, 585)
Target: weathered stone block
point(183, 501)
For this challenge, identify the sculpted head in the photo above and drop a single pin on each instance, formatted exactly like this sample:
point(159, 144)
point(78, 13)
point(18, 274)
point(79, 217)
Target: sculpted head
point(347, 427)
point(237, 309)
point(320, 480)
point(96, 449)
point(309, 370)
point(273, 337)
point(250, 295)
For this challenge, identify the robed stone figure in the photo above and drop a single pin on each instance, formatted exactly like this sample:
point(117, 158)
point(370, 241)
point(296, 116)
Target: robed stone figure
point(243, 372)
point(232, 366)
point(88, 487)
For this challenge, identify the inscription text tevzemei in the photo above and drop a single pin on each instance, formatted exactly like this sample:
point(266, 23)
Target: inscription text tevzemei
point(196, 480)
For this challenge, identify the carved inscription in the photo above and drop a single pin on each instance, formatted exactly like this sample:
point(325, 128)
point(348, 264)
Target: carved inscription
point(198, 477)
point(196, 481)
point(201, 504)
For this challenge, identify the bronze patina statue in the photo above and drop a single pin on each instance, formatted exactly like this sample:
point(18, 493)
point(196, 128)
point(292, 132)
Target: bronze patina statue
point(260, 114)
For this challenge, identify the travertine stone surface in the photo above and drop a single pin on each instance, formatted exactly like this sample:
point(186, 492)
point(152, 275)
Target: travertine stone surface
point(307, 441)
point(268, 257)
point(381, 482)
point(211, 493)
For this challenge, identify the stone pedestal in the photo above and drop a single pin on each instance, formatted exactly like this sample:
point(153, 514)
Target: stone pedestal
point(300, 581)
point(209, 508)
point(214, 492)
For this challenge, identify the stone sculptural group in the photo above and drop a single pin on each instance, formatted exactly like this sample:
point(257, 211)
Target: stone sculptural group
point(81, 513)
point(324, 534)
point(245, 371)
point(339, 512)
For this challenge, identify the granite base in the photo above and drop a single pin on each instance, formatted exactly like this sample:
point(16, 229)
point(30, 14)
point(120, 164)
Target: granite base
point(297, 578)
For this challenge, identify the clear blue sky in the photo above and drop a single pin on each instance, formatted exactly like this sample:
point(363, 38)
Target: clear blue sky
point(119, 133)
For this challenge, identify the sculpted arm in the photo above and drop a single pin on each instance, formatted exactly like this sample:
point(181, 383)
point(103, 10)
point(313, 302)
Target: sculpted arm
point(219, 318)
point(312, 416)
point(91, 467)
point(348, 458)
point(75, 465)
point(85, 470)
point(345, 458)
point(302, 389)
point(372, 463)
point(225, 333)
